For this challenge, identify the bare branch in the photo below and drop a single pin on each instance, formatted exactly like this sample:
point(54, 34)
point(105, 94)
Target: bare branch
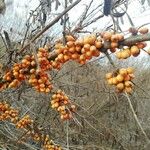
point(136, 118)
point(50, 25)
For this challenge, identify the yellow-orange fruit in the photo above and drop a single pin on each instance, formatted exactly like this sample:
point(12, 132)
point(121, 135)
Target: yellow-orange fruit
point(75, 56)
point(123, 71)
point(32, 70)
point(58, 45)
point(120, 86)
point(66, 51)
point(42, 85)
point(107, 35)
point(92, 39)
point(114, 81)
point(58, 51)
point(98, 44)
point(134, 50)
point(33, 63)
point(120, 37)
point(143, 30)
point(60, 57)
point(69, 38)
point(114, 38)
point(118, 55)
point(70, 44)
point(110, 81)
point(83, 50)
point(141, 45)
point(93, 48)
point(66, 57)
point(96, 54)
point(72, 49)
point(82, 57)
point(130, 70)
point(128, 90)
point(125, 54)
point(15, 74)
point(127, 78)
point(89, 39)
point(127, 50)
point(132, 76)
point(119, 78)
point(56, 104)
point(128, 83)
point(82, 62)
point(114, 44)
point(87, 46)
point(88, 54)
point(47, 90)
point(109, 75)
point(78, 48)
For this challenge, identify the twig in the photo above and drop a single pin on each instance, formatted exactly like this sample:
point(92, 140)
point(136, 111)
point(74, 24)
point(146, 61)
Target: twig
point(85, 13)
point(64, 25)
point(92, 21)
point(135, 39)
point(110, 60)
point(4, 41)
point(67, 135)
point(136, 118)
point(35, 56)
point(50, 25)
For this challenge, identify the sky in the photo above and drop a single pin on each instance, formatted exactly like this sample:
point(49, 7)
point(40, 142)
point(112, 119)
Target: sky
point(17, 13)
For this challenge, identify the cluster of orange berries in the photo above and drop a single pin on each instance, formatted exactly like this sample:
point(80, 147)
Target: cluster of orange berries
point(113, 39)
point(132, 51)
point(27, 70)
point(121, 79)
point(24, 122)
point(79, 50)
point(34, 67)
point(7, 112)
point(62, 104)
point(48, 144)
point(41, 82)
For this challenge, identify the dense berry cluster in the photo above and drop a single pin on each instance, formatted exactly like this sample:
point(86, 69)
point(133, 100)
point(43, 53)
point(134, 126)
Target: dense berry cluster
point(7, 112)
point(29, 70)
point(79, 50)
point(41, 82)
point(33, 68)
point(112, 40)
point(121, 79)
point(62, 104)
point(48, 144)
point(26, 123)
point(132, 51)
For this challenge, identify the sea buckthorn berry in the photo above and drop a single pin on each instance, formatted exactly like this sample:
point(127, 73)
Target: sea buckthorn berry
point(121, 79)
point(143, 30)
point(62, 104)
